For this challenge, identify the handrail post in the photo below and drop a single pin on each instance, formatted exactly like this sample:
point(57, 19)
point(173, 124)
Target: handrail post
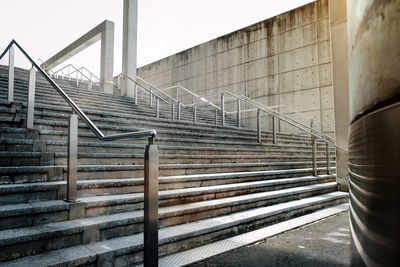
point(222, 109)
point(216, 116)
point(151, 204)
point(158, 108)
point(151, 97)
point(11, 74)
point(135, 93)
point(30, 110)
point(314, 151)
point(274, 126)
point(328, 163)
point(194, 113)
point(173, 111)
point(72, 157)
point(238, 115)
point(179, 111)
point(258, 125)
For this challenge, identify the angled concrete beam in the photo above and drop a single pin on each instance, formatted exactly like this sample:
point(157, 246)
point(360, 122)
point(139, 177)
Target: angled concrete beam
point(104, 32)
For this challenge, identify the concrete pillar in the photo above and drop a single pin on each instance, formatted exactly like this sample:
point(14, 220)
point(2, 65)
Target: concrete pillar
point(338, 23)
point(107, 58)
point(129, 46)
point(374, 154)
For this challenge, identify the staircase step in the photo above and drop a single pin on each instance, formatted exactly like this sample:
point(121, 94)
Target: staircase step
point(127, 249)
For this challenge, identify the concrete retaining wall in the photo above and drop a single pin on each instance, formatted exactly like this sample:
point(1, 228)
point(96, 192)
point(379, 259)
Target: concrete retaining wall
point(283, 60)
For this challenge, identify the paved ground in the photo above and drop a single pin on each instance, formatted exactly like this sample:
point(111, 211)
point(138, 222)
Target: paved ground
point(324, 243)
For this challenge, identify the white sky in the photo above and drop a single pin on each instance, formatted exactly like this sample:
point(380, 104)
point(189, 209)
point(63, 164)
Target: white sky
point(165, 27)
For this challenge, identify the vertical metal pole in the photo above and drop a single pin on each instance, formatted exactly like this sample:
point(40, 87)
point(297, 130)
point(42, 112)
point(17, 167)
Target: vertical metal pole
point(158, 108)
point(194, 113)
point(173, 111)
point(328, 163)
point(11, 74)
point(314, 155)
point(179, 111)
point(258, 125)
point(31, 99)
point(151, 98)
point(216, 116)
point(274, 126)
point(72, 157)
point(90, 85)
point(222, 109)
point(151, 204)
point(77, 80)
point(238, 114)
point(135, 93)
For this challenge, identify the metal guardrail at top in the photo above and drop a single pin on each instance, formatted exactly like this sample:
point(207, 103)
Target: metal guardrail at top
point(150, 156)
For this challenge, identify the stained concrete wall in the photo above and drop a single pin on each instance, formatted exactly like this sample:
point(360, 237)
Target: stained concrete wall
point(283, 60)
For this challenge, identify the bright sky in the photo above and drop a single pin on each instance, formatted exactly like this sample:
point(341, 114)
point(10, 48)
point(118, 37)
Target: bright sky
point(165, 27)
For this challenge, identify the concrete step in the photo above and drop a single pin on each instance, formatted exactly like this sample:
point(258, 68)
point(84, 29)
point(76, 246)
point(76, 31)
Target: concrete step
point(38, 213)
point(28, 174)
point(89, 235)
point(53, 190)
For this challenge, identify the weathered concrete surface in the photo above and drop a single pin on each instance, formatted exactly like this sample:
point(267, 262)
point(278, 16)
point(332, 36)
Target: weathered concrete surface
point(324, 243)
point(340, 80)
point(283, 60)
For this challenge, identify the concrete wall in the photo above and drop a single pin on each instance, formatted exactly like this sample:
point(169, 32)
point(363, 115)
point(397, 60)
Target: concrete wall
point(283, 60)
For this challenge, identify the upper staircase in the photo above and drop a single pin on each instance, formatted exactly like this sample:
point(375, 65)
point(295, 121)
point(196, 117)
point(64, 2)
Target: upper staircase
point(214, 181)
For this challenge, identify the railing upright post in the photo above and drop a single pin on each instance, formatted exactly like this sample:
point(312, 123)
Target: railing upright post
point(179, 111)
point(194, 113)
point(151, 97)
point(173, 111)
point(274, 126)
point(222, 109)
point(72, 157)
point(135, 93)
point(90, 85)
point(30, 112)
point(238, 115)
point(328, 163)
point(258, 125)
point(314, 151)
point(158, 108)
point(77, 80)
point(216, 116)
point(151, 204)
point(11, 74)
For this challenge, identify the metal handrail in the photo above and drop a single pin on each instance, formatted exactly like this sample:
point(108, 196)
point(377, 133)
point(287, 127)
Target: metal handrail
point(294, 110)
point(152, 87)
point(75, 108)
point(75, 70)
point(44, 64)
point(90, 73)
point(196, 96)
point(144, 88)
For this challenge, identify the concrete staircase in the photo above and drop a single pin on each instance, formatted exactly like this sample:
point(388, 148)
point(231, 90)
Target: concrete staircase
point(215, 182)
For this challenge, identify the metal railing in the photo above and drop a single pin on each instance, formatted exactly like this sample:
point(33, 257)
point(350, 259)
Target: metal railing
point(150, 155)
point(69, 70)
